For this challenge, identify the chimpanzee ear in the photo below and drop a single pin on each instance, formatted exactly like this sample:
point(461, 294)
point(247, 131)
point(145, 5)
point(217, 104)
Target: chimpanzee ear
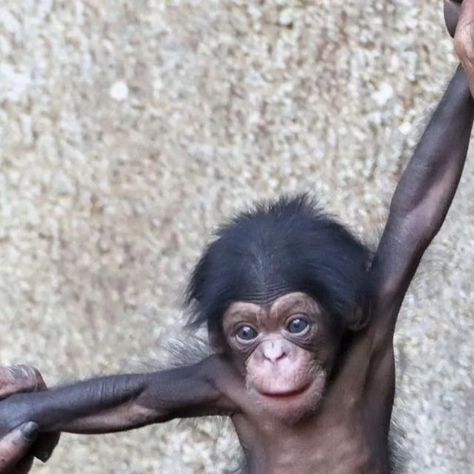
point(359, 319)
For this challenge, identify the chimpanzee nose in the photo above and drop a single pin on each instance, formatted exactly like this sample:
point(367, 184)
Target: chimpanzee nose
point(273, 351)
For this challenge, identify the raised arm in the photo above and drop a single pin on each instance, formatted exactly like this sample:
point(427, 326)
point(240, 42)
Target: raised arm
point(120, 402)
point(421, 201)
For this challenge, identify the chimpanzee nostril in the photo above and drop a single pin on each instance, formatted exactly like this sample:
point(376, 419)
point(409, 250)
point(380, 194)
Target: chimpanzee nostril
point(273, 351)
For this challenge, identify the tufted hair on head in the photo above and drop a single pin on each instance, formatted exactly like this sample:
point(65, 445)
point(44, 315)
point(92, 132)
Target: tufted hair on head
point(280, 247)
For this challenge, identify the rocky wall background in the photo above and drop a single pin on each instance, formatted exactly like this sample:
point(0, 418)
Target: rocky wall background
point(129, 129)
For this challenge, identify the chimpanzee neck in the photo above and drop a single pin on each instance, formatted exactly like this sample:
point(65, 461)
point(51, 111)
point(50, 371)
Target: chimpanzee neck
point(324, 443)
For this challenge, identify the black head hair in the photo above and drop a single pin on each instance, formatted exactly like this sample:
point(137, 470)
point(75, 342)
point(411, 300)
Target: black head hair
point(285, 246)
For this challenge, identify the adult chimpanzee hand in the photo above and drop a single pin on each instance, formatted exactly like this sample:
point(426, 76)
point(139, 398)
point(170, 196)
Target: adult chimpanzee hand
point(15, 447)
point(19, 447)
point(459, 17)
point(452, 10)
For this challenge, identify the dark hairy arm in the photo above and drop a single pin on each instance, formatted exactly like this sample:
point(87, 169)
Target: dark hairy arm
point(420, 202)
point(120, 402)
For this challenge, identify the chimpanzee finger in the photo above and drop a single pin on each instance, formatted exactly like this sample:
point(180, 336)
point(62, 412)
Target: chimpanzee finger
point(15, 445)
point(19, 378)
point(24, 466)
point(22, 378)
point(44, 446)
point(452, 10)
point(46, 442)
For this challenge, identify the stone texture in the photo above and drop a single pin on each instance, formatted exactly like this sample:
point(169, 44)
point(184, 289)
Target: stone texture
point(129, 129)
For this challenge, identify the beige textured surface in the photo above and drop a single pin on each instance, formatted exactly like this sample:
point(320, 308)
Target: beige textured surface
point(129, 129)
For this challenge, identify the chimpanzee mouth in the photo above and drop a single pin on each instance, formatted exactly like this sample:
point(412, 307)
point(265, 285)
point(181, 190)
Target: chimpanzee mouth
point(287, 394)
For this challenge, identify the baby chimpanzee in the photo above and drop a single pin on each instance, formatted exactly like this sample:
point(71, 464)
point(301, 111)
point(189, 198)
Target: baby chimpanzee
point(300, 317)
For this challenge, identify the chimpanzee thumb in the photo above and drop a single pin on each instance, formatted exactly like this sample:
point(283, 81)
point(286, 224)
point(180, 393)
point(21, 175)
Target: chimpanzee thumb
point(452, 10)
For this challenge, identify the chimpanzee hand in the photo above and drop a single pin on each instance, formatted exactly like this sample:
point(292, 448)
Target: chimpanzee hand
point(20, 446)
point(15, 448)
point(459, 18)
point(452, 10)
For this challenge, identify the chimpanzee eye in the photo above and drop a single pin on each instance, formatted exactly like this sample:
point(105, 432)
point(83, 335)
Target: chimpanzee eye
point(297, 325)
point(246, 333)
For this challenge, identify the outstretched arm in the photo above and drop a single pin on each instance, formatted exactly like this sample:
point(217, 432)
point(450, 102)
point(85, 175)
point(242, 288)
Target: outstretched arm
point(420, 202)
point(121, 402)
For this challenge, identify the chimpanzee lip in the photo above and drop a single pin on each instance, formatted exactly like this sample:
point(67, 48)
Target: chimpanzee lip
point(288, 393)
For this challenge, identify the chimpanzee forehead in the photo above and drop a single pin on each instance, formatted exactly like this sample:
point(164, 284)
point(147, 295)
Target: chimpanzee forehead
point(265, 296)
point(284, 302)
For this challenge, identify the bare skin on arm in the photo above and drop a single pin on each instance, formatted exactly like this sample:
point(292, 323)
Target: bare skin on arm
point(301, 316)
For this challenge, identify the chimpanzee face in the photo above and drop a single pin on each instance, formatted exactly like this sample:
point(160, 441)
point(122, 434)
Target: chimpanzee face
point(285, 350)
